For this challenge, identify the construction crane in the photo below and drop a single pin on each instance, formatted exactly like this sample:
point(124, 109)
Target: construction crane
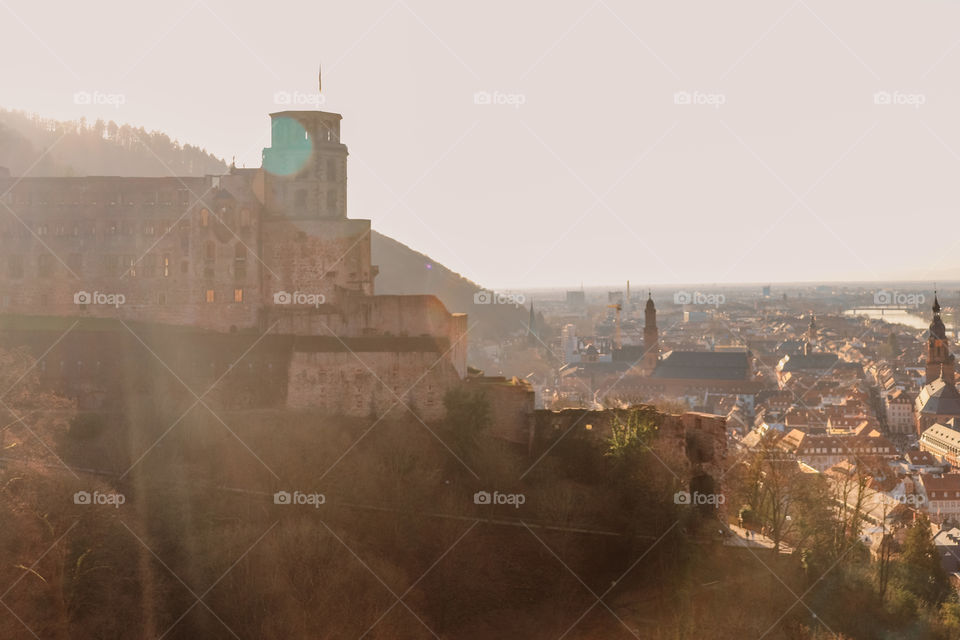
point(616, 338)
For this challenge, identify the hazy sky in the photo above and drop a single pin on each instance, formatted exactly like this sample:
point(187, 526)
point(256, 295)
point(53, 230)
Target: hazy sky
point(785, 166)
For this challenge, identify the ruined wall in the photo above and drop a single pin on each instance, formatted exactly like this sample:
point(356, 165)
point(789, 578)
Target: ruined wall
point(362, 382)
point(377, 316)
point(102, 364)
point(328, 257)
point(512, 405)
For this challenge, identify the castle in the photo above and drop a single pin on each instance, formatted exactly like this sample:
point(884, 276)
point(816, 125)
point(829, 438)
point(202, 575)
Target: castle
point(199, 269)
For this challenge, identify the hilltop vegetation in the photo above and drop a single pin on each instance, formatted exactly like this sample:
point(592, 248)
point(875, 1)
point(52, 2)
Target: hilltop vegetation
point(44, 147)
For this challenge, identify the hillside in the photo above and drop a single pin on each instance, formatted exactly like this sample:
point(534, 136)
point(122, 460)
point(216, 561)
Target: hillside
point(45, 147)
point(406, 271)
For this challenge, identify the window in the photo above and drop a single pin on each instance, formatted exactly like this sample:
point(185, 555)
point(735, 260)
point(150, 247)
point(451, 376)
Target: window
point(211, 297)
point(15, 266)
point(240, 261)
point(245, 218)
point(331, 170)
point(185, 266)
point(238, 295)
point(44, 264)
point(204, 218)
point(300, 198)
point(210, 251)
point(131, 265)
point(331, 201)
point(161, 298)
point(166, 265)
point(149, 264)
point(110, 265)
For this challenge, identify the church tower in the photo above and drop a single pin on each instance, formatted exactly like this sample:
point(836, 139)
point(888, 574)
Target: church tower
point(651, 337)
point(812, 330)
point(940, 362)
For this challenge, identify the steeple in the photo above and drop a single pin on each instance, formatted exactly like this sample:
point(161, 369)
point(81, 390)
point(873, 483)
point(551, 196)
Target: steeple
point(812, 330)
point(936, 325)
point(940, 362)
point(651, 337)
point(531, 326)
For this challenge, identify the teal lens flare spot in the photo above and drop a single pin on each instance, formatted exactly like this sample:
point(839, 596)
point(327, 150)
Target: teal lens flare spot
point(291, 148)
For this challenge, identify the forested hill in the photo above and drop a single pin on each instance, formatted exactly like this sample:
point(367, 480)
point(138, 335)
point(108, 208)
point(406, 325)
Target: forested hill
point(406, 271)
point(82, 148)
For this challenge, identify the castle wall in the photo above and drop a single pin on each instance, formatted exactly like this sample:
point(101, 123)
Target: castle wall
point(102, 364)
point(368, 383)
point(328, 257)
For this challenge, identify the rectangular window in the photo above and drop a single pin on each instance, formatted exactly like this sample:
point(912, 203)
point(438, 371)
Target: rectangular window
point(15, 266)
point(211, 296)
point(45, 265)
point(166, 265)
point(238, 295)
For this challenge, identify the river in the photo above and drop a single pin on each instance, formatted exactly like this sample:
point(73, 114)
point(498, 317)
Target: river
point(894, 316)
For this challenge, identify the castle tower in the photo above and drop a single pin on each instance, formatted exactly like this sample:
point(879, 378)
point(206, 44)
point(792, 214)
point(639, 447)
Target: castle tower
point(940, 362)
point(309, 245)
point(651, 337)
point(306, 166)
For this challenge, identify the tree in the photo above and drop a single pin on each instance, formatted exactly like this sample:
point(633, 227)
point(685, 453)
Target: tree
point(631, 432)
point(920, 569)
point(468, 416)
